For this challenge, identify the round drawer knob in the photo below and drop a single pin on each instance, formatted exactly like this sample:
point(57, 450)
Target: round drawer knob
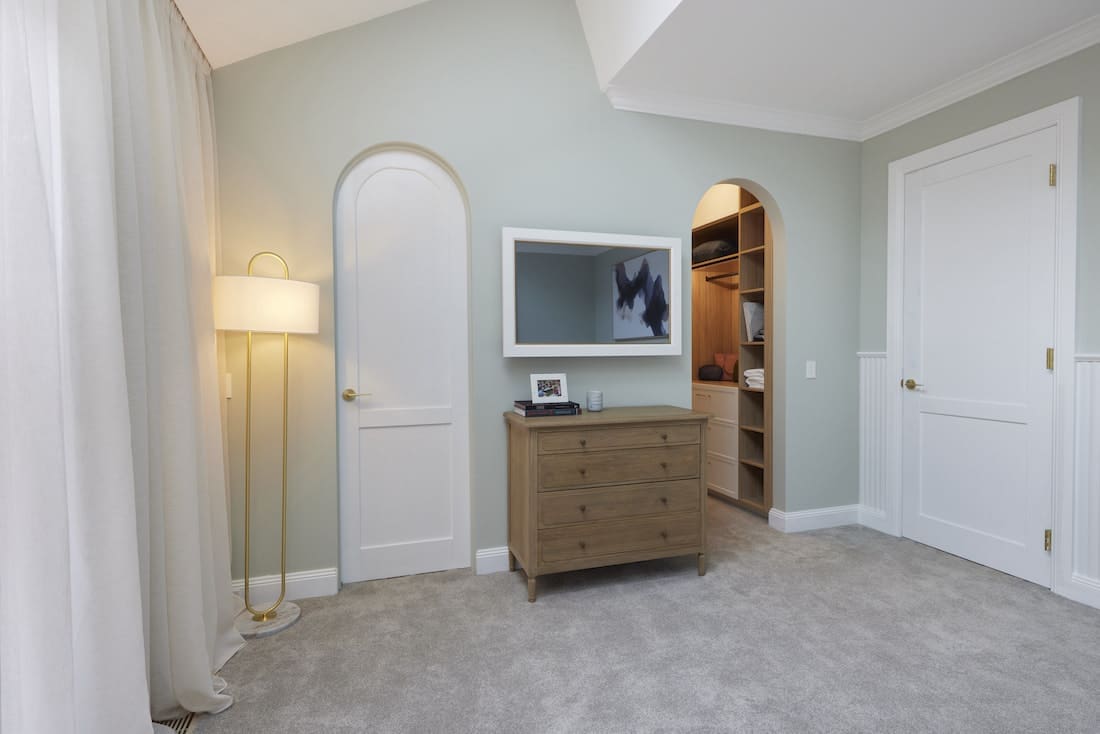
point(664, 464)
point(583, 546)
point(664, 535)
point(583, 472)
point(664, 436)
point(664, 500)
point(584, 508)
point(583, 443)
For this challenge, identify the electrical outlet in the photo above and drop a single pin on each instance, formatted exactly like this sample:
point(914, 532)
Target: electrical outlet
point(811, 369)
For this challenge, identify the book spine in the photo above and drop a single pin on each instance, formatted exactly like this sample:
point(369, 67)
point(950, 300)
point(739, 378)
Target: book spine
point(538, 413)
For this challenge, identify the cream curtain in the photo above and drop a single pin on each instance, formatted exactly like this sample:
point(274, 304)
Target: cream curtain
point(115, 597)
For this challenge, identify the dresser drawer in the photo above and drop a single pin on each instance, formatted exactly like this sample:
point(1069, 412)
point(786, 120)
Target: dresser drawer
point(653, 498)
point(614, 438)
point(561, 471)
point(586, 541)
point(719, 403)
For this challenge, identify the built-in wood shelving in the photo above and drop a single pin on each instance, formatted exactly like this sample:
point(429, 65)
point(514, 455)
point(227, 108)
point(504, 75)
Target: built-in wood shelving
point(719, 327)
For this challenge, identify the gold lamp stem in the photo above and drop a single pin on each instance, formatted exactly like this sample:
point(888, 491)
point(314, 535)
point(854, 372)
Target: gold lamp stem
point(270, 612)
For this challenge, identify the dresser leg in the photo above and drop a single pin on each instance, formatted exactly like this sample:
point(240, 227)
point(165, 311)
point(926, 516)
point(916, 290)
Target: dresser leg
point(530, 589)
point(511, 561)
point(702, 564)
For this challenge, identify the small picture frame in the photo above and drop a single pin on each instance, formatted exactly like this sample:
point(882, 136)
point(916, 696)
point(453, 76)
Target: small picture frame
point(549, 388)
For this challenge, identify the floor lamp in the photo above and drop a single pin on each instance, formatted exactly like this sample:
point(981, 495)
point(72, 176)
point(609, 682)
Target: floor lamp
point(276, 306)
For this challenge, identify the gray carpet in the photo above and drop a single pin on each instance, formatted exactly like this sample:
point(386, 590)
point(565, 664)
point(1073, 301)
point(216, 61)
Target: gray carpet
point(841, 630)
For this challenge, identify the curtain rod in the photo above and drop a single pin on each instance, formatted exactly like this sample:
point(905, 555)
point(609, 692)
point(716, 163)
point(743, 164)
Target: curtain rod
point(194, 38)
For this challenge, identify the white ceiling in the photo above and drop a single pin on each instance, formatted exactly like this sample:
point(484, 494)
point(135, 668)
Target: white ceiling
point(231, 30)
point(847, 68)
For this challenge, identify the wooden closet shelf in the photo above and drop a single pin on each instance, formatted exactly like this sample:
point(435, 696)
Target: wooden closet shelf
point(715, 261)
point(718, 223)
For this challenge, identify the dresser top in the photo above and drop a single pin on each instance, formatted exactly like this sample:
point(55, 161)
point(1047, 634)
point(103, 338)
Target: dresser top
point(609, 416)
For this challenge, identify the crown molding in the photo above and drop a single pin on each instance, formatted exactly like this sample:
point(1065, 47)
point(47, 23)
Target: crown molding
point(730, 113)
point(1048, 50)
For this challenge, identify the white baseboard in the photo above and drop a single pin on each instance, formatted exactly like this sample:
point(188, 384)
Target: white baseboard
point(1081, 589)
point(825, 517)
point(299, 585)
point(492, 560)
point(875, 519)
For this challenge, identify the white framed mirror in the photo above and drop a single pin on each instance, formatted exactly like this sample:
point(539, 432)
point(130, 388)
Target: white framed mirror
point(587, 294)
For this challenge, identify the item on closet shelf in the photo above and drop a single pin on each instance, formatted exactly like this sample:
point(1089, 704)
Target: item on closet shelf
point(754, 378)
point(710, 372)
point(595, 400)
point(754, 320)
point(728, 363)
point(712, 250)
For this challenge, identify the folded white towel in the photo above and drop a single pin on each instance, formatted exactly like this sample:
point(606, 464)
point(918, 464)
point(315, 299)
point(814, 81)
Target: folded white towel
point(754, 373)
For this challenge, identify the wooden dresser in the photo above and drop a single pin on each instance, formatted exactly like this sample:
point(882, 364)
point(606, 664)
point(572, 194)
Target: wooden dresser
point(598, 489)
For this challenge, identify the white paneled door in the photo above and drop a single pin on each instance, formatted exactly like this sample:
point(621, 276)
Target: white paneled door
point(402, 325)
point(978, 310)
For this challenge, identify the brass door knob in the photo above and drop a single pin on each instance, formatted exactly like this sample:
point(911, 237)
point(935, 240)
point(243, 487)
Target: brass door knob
point(911, 384)
point(350, 395)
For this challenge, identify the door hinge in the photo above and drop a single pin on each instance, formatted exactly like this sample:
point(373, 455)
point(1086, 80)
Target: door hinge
point(1053, 174)
point(1050, 358)
point(1046, 540)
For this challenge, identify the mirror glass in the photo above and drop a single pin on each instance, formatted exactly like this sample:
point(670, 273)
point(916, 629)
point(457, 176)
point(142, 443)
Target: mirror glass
point(577, 294)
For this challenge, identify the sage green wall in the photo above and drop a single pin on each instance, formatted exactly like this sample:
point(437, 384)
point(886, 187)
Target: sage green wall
point(504, 90)
point(1076, 75)
point(555, 298)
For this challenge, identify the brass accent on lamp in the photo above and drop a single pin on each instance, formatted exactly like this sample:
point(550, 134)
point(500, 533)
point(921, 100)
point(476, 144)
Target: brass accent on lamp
point(252, 304)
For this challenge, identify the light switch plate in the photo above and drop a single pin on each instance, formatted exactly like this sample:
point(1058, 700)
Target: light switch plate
point(811, 369)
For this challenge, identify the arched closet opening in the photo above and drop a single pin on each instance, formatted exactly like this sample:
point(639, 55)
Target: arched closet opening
point(732, 340)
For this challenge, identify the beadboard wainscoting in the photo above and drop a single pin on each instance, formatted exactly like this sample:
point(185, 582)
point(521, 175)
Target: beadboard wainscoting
point(1077, 573)
point(874, 500)
point(299, 585)
point(1084, 579)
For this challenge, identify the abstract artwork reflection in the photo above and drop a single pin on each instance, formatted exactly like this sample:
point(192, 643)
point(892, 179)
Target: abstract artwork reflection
point(639, 297)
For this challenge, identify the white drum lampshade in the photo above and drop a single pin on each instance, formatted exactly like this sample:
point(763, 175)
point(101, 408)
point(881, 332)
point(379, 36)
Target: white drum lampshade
point(274, 305)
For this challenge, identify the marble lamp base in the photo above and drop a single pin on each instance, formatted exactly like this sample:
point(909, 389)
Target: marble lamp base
point(287, 614)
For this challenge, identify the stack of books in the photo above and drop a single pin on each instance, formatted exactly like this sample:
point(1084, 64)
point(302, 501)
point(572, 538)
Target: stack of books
point(528, 409)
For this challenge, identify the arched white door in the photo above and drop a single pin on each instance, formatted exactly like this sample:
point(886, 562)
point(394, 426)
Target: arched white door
point(401, 338)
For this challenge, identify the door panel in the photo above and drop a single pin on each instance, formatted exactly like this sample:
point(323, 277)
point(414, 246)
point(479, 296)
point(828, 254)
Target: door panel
point(978, 317)
point(401, 253)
